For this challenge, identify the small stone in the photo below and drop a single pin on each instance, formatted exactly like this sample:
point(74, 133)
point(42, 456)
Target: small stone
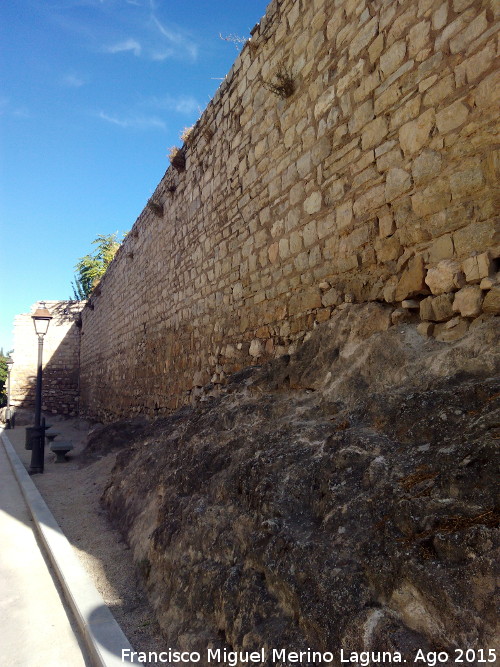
point(425, 166)
point(468, 301)
point(349, 298)
point(410, 304)
point(412, 281)
point(425, 328)
point(442, 307)
point(446, 276)
point(452, 330)
point(426, 312)
point(451, 117)
point(390, 290)
point(487, 283)
point(414, 134)
point(386, 225)
point(400, 315)
point(256, 348)
point(323, 314)
point(324, 286)
point(484, 264)
point(477, 267)
point(313, 203)
point(437, 309)
point(397, 182)
point(442, 248)
point(491, 303)
point(331, 298)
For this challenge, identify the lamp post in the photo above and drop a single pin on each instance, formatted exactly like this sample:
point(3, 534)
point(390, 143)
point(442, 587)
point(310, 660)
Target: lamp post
point(41, 320)
point(9, 422)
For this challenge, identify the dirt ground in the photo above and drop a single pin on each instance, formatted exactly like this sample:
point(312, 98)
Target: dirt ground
point(72, 491)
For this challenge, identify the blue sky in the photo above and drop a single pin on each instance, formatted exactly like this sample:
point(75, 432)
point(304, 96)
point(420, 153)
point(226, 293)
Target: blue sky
point(92, 95)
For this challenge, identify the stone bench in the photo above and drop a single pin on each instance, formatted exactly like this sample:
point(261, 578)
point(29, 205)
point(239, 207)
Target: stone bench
point(60, 449)
point(50, 436)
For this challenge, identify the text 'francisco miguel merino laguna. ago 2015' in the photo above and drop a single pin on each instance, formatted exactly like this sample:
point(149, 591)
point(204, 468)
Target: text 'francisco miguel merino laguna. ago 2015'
point(283, 656)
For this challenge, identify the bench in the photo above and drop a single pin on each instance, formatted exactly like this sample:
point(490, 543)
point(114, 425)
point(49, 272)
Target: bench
point(60, 449)
point(50, 436)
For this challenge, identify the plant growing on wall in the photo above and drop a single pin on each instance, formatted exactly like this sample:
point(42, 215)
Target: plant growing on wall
point(90, 268)
point(283, 84)
point(177, 157)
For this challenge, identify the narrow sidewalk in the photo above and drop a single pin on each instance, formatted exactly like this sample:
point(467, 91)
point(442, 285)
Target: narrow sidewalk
point(34, 625)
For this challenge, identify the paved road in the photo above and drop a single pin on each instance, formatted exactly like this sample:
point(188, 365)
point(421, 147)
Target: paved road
point(34, 626)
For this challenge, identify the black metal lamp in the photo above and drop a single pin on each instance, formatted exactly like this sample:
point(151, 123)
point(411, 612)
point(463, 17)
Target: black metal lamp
point(8, 419)
point(41, 320)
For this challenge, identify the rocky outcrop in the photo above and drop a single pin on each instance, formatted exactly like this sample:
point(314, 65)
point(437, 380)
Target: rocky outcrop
point(338, 498)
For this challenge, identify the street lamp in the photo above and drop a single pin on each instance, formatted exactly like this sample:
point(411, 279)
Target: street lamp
point(41, 320)
point(9, 423)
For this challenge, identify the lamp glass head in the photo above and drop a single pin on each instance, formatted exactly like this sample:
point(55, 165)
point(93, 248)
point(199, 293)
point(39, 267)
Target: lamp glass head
point(41, 319)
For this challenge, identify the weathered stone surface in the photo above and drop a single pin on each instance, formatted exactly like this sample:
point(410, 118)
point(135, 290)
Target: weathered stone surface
point(478, 267)
point(393, 57)
point(437, 308)
point(464, 183)
point(415, 134)
point(400, 316)
point(313, 203)
point(491, 303)
point(425, 328)
point(442, 248)
point(410, 304)
point(476, 237)
point(305, 300)
point(452, 330)
point(374, 133)
point(331, 298)
point(432, 199)
point(446, 276)
point(397, 182)
point(468, 301)
point(451, 117)
point(425, 166)
point(412, 281)
point(382, 479)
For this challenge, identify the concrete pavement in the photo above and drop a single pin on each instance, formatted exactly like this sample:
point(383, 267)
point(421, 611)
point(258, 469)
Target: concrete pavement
point(34, 625)
point(34, 620)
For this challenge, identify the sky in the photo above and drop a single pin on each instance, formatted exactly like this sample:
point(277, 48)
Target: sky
point(93, 93)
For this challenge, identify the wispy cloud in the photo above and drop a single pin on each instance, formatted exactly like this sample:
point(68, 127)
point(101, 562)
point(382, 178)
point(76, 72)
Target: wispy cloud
point(134, 122)
point(182, 104)
point(72, 81)
point(8, 109)
point(179, 43)
point(127, 45)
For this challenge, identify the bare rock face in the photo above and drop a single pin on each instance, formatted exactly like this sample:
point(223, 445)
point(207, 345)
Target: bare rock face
point(339, 498)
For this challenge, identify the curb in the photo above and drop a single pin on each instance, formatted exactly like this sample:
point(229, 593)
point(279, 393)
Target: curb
point(103, 637)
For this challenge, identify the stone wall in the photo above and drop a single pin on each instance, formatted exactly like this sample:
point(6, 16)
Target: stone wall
point(61, 353)
point(349, 151)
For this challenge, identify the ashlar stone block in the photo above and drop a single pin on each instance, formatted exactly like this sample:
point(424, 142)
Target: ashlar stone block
point(446, 276)
point(468, 301)
point(415, 134)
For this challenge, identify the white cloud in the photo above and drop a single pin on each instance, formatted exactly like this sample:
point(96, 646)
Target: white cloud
point(128, 45)
point(72, 81)
point(134, 122)
point(183, 104)
point(182, 44)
